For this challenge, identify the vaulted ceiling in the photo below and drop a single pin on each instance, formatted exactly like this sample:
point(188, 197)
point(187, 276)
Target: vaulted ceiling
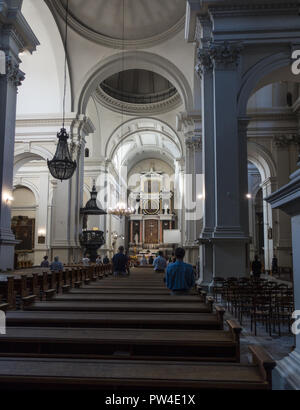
point(131, 20)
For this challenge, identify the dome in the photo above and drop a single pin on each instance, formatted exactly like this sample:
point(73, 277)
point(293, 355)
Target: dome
point(143, 18)
point(138, 87)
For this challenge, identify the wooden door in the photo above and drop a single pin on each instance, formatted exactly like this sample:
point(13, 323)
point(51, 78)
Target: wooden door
point(151, 231)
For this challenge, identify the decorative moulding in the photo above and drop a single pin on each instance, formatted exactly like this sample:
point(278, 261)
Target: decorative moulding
point(113, 104)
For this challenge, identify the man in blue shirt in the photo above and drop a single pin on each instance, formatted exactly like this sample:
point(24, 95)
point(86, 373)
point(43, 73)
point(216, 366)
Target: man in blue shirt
point(160, 263)
point(56, 265)
point(120, 262)
point(180, 275)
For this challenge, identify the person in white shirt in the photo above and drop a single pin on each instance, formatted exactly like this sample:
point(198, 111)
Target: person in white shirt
point(85, 261)
point(98, 260)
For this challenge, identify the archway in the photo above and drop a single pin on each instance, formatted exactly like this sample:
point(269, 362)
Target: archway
point(133, 60)
point(24, 226)
point(262, 182)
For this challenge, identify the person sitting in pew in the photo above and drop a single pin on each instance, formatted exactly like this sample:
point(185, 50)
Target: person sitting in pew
point(56, 265)
point(45, 263)
point(85, 261)
point(160, 263)
point(98, 260)
point(180, 276)
point(105, 260)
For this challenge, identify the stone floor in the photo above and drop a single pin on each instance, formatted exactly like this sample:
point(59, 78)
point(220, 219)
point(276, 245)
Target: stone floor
point(277, 347)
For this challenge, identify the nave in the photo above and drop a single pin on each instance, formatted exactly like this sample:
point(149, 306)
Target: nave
point(90, 330)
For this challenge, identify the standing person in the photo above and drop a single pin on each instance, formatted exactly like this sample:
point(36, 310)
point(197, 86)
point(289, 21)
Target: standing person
point(120, 262)
point(160, 263)
point(151, 260)
point(56, 265)
point(274, 265)
point(105, 260)
point(180, 276)
point(45, 263)
point(256, 267)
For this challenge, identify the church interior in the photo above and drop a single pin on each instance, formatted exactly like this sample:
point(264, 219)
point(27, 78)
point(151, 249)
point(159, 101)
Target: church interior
point(149, 125)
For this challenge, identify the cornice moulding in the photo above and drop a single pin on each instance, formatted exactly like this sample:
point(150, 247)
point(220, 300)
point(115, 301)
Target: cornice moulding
point(137, 109)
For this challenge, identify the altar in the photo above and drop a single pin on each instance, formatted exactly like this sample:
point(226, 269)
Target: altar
point(154, 214)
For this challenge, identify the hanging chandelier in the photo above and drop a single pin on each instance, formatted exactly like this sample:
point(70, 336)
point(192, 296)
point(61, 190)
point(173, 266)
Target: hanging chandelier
point(121, 210)
point(61, 166)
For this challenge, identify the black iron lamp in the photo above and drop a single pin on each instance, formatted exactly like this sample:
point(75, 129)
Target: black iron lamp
point(92, 240)
point(61, 166)
point(91, 207)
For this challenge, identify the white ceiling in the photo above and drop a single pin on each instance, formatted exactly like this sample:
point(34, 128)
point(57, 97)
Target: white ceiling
point(143, 18)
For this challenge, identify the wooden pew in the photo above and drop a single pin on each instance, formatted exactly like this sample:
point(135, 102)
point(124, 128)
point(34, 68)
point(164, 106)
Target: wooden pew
point(52, 286)
point(25, 290)
point(109, 291)
point(46, 281)
point(82, 296)
point(120, 320)
point(33, 284)
point(145, 344)
point(134, 375)
point(59, 281)
point(107, 306)
point(7, 293)
point(66, 281)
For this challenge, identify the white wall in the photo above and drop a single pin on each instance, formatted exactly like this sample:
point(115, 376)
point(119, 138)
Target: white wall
point(42, 91)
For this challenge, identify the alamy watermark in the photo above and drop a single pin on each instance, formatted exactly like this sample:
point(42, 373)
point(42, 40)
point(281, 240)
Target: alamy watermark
point(296, 324)
point(2, 323)
point(183, 191)
point(296, 63)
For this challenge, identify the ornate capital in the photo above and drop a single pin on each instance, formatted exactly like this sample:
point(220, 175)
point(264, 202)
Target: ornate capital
point(193, 143)
point(282, 141)
point(225, 55)
point(205, 63)
point(13, 72)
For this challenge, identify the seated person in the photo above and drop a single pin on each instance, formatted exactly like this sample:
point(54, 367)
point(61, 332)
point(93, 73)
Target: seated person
point(56, 265)
point(105, 260)
point(98, 260)
point(180, 275)
point(160, 263)
point(45, 263)
point(85, 261)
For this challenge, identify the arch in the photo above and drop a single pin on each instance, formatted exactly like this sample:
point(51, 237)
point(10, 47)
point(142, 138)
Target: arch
point(34, 153)
point(262, 159)
point(256, 73)
point(140, 125)
point(134, 158)
point(132, 60)
point(29, 185)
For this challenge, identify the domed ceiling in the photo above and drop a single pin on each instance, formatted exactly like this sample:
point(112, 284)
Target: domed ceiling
point(140, 20)
point(138, 87)
point(138, 91)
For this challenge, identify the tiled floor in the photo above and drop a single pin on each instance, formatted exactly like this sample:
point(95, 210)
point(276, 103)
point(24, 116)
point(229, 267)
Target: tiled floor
point(277, 347)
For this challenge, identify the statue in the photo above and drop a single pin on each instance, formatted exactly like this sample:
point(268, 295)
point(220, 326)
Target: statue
point(136, 238)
